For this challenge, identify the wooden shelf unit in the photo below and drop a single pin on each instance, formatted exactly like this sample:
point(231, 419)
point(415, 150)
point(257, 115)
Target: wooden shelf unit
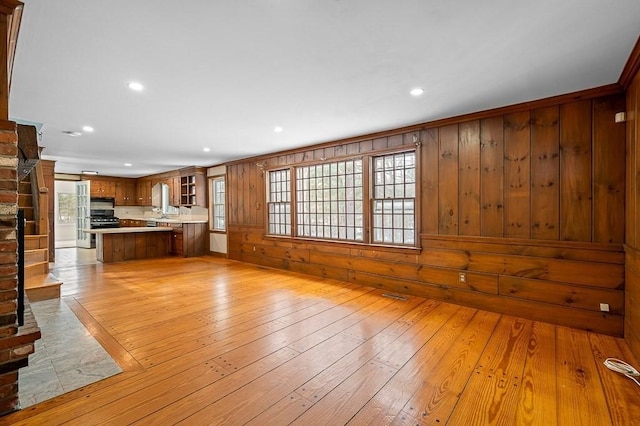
point(193, 187)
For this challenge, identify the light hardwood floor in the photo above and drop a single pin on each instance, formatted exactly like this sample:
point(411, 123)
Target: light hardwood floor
point(212, 341)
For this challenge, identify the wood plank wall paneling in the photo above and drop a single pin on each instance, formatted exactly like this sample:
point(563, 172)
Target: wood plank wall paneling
point(469, 175)
point(608, 175)
point(545, 174)
point(448, 181)
point(575, 170)
point(492, 177)
point(632, 215)
point(527, 204)
point(430, 181)
point(517, 176)
point(631, 207)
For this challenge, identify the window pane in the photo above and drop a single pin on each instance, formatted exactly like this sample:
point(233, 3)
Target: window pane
point(279, 206)
point(218, 204)
point(394, 199)
point(334, 191)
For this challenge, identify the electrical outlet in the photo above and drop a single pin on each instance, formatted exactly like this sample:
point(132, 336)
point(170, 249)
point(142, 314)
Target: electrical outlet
point(604, 307)
point(462, 277)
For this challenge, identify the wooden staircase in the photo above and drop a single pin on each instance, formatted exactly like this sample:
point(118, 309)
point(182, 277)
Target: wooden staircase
point(40, 284)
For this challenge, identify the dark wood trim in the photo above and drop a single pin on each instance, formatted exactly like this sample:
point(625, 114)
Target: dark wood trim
point(119, 354)
point(8, 7)
point(4, 72)
point(610, 89)
point(219, 255)
point(10, 126)
point(15, 19)
point(631, 68)
point(527, 242)
point(343, 244)
point(631, 250)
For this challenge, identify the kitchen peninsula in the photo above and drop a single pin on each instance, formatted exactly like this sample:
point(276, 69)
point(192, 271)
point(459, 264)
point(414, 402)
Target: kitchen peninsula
point(161, 237)
point(118, 244)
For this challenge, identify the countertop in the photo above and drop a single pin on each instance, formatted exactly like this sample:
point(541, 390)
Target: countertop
point(129, 230)
point(159, 220)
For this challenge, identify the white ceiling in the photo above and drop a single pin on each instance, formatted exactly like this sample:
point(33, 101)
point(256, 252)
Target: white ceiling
point(221, 74)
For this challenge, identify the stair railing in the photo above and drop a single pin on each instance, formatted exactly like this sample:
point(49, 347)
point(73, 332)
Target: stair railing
point(40, 200)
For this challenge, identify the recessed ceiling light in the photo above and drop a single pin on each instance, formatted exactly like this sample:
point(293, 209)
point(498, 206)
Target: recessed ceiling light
point(87, 129)
point(72, 133)
point(89, 172)
point(128, 164)
point(205, 149)
point(278, 129)
point(134, 85)
point(417, 91)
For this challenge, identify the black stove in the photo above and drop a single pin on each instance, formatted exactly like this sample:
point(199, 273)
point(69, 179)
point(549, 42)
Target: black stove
point(103, 218)
point(100, 222)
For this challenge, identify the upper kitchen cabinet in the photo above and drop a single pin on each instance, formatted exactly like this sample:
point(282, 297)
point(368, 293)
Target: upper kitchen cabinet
point(126, 192)
point(175, 191)
point(193, 187)
point(173, 182)
point(102, 187)
point(143, 192)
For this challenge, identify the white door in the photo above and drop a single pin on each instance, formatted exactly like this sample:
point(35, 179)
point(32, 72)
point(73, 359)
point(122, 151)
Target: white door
point(83, 198)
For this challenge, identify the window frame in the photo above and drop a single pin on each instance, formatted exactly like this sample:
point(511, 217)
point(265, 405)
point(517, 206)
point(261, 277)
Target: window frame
point(213, 204)
point(373, 197)
point(269, 192)
point(367, 188)
point(337, 184)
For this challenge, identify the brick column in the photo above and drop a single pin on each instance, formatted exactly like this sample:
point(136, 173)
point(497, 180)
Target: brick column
point(16, 343)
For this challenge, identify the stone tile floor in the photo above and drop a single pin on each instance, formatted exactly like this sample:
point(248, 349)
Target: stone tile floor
point(67, 356)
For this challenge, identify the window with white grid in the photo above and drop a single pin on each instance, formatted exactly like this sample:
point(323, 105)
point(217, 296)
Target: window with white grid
point(279, 202)
point(218, 203)
point(393, 199)
point(330, 201)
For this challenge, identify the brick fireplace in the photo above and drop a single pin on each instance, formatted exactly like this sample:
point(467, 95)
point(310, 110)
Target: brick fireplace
point(16, 342)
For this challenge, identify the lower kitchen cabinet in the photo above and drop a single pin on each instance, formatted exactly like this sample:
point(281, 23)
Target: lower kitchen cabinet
point(177, 242)
point(189, 239)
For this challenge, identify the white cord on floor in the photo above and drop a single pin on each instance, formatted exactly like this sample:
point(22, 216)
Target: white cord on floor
point(622, 367)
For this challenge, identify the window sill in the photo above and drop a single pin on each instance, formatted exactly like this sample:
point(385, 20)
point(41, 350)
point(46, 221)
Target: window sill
point(350, 244)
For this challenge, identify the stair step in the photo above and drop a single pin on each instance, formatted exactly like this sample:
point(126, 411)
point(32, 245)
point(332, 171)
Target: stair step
point(36, 255)
point(42, 287)
point(28, 212)
point(36, 268)
point(30, 227)
point(25, 200)
point(33, 242)
point(24, 187)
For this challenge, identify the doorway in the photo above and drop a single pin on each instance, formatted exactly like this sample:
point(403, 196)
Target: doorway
point(65, 214)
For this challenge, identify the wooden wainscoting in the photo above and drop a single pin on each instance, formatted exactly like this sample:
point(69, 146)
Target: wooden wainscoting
point(215, 341)
point(559, 282)
point(632, 299)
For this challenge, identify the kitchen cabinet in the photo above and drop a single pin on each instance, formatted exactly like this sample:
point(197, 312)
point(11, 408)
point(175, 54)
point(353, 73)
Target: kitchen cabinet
point(174, 191)
point(143, 193)
point(193, 187)
point(102, 188)
point(188, 239)
point(132, 223)
point(177, 242)
point(126, 192)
